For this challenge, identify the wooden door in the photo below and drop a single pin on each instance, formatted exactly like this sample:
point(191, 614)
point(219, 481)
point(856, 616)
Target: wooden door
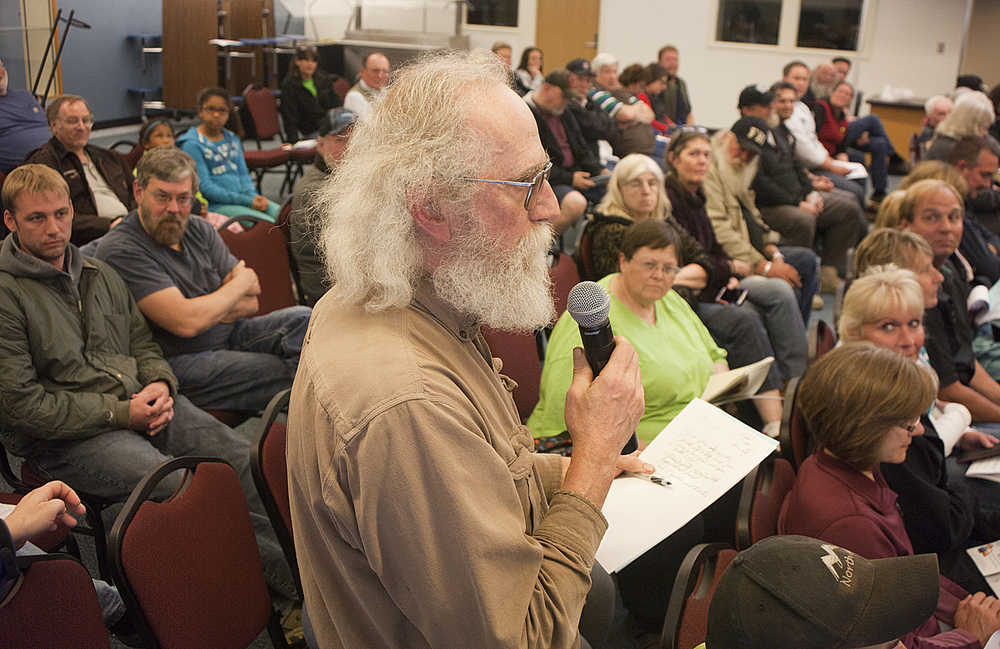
point(189, 62)
point(567, 29)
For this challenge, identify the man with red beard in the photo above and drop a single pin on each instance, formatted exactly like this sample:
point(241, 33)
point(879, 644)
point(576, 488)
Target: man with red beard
point(198, 298)
point(422, 517)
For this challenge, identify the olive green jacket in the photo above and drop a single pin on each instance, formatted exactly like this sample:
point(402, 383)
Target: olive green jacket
point(74, 347)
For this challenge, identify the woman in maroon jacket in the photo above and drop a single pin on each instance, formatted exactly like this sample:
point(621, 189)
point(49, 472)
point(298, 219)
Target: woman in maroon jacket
point(863, 404)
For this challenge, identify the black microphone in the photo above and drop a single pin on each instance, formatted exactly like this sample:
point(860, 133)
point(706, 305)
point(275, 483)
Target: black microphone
point(589, 304)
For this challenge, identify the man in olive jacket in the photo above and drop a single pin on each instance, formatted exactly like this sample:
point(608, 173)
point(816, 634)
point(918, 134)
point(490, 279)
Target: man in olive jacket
point(85, 394)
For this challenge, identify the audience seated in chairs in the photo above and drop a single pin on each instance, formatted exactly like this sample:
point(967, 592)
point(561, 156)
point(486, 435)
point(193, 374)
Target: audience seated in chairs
point(200, 303)
point(689, 158)
point(863, 405)
point(802, 125)
point(634, 117)
point(635, 194)
point(332, 135)
point(644, 81)
point(573, 164)
point(100, 184)
point(23, 127)
point(374, 77)
point(791, 591)
point(971, 116)
point(89, 398)
point(222, 172)
point(787, 197)
point(933, 209)
point(674, 103)
point(885, 307)
point(595, 124)
point(935, 110)
point(306, 95)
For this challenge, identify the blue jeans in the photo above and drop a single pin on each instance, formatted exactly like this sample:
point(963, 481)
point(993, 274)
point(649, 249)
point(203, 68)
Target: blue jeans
point(878, 146)
point(806, 262)
point(111, 464)
point(260, 361)
point(776, 302)
point(740, 331)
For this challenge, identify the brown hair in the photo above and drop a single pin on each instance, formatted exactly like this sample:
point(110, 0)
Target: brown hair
point(853, 395)
point(32, 179)
point(919, 190)
point(52, 110)
point(938, 170)
point(651, 233)
point(889, 246)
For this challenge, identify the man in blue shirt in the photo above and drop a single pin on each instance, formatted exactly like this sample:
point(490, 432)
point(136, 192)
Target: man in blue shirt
point(23, 127)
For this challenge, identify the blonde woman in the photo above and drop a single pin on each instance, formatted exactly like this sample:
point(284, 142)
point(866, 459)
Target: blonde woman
point(972, 115)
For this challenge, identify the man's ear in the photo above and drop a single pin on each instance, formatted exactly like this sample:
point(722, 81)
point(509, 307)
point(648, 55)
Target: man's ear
point(8, 220)
point(136, 190)
point(428, 219)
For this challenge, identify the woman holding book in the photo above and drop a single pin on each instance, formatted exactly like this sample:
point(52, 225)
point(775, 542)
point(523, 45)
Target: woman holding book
point(676, 353)
point(863, 405)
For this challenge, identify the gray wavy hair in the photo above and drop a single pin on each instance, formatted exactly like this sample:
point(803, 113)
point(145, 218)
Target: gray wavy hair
point(411, 150)
point(971, 114)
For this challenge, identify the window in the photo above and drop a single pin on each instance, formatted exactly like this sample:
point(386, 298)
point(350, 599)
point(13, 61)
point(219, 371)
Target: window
point(829, 25)
point(790, 24)
point(496, 13)
point(747, 21)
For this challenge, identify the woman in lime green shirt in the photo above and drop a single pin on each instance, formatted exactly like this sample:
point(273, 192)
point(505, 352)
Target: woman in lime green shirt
point(676, 353)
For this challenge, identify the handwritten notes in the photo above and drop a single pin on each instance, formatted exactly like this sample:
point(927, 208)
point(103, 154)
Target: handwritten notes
point(703, 452)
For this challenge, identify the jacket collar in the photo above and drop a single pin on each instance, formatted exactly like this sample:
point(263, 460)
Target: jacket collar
point(463, 326)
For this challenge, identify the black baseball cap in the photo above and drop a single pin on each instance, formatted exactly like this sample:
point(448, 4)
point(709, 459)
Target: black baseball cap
point(753, 95)
point(560, 79)
point(794, 591)
point(580, 67)
point(336, 121)
point(752, 133)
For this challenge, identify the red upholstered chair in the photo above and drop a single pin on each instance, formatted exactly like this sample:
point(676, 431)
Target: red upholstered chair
point(341, 86)
point(270, 474)
point(264, 248)
point(564, 276)
point(188, 568)
point(54, 604)
point(794, 435)
point(521, 362)
point(764, 491)
point(263, 108)
point(822, 338)
point(686, 622)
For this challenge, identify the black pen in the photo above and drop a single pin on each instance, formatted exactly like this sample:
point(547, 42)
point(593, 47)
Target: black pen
point(649, 478)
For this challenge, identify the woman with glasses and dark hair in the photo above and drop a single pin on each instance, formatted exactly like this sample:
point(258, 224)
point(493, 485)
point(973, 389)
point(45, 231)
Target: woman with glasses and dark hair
point(223, 177)
point(863, 404)
point(635, 194)
point(689, 157)
point(306, 94)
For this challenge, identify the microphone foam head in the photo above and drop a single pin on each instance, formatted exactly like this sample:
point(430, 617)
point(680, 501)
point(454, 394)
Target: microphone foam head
point(589, 304)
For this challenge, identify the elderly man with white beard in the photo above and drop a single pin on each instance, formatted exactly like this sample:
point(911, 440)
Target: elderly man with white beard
point(422, 517)
point(781, 282)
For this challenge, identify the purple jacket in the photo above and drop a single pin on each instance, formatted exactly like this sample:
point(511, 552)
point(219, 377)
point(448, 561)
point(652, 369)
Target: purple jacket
point(836, 503)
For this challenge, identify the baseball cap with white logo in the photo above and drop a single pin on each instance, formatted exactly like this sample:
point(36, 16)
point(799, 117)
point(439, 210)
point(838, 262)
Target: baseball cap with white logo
point(794, 591)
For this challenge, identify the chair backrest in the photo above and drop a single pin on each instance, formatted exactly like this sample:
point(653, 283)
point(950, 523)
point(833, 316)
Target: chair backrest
point(564, 276)
point(285, 224)
point(263, 109)
point(54, 604)
point(686, 622)
point(521, 362)
point(763, 493)
point(916, 153)
point(270, 474)
point(822, 338)
point(585, 255)
point(263, 247)
point(341, 86)
point(796, 444)
point(188, 568)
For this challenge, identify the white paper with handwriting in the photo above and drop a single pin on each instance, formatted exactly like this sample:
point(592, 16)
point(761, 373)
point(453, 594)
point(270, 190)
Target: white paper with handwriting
point(703, 452)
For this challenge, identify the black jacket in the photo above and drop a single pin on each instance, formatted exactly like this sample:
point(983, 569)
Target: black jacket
point(300, 110)
point(781, 179)
point(87, 225)
point(583, 158)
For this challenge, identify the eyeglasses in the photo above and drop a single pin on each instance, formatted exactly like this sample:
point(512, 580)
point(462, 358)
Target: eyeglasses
point(650, 267)
point(533, 187)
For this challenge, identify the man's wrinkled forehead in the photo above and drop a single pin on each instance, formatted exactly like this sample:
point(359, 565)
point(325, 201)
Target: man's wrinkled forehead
point(507, 132)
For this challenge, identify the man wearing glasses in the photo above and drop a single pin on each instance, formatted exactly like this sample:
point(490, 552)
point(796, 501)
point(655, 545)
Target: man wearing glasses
point(422, 516)
point(22, 124)
point(100, 183)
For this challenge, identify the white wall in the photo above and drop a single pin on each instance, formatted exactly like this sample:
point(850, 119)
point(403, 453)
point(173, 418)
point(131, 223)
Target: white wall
point(899, 49)
point(899, 46)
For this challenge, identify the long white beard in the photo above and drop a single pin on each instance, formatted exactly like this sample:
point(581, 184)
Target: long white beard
point(504, 290)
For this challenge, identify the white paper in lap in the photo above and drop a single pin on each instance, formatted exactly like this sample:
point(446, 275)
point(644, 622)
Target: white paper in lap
point(703, 452)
